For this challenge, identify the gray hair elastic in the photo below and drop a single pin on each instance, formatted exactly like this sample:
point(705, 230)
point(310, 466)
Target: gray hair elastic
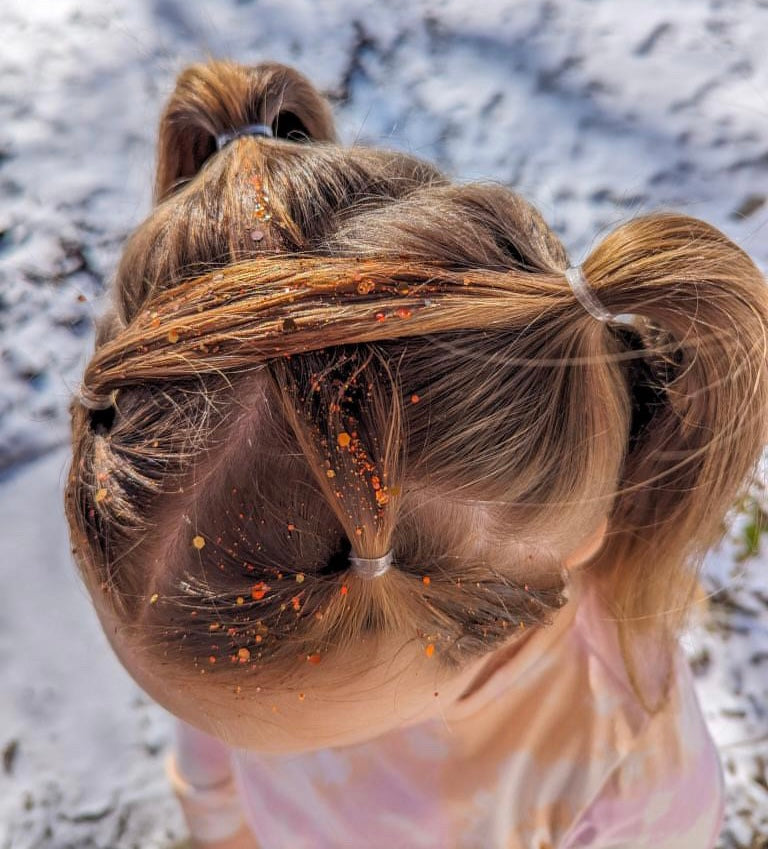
point(371, 567)
point(248, 130)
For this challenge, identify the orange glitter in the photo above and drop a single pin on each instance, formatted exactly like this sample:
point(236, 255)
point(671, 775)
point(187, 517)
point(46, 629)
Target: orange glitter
point(296, 602)
point(291, 526)
point(154, 598)
point(344, 439)
point(173, 336)
point(198, 541)
point(330, 473)
point(380, 316)
point(100, 495)
point(403, 312)
point(239, 600)
point(243, 655)
point(429, 650)
point(211, 659)
point(259, 590)
point(344, 589)
point(415, 398)
point(313, 658)
point(300, 578)
point(426, 580)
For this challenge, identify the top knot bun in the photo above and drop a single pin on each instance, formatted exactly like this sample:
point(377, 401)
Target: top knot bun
point(220, 95)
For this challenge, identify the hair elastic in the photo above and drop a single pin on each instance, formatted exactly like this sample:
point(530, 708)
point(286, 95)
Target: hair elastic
point(248, 130)
point(371, 567)
point(584, 294)
point(96, 402)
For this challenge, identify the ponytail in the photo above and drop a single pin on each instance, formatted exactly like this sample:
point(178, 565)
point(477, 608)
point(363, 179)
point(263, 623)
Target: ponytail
point(699, 397)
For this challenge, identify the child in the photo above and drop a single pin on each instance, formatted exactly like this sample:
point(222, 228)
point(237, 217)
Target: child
point(396, 511)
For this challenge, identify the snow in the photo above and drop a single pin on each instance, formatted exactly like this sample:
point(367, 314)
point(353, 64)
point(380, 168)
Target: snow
point(594, 110)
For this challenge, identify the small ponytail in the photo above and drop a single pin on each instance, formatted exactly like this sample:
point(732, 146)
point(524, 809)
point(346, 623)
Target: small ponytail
point(220, 96)
point(699, 399)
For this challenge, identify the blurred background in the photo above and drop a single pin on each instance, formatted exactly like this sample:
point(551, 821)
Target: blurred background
point(596, 110)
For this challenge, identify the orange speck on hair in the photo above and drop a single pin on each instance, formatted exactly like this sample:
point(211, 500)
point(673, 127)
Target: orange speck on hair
point(403, 312)
point(365, 286)
point(426, 580)
point(198, 541)
point(173, 336)
point(522, 626)
point(101, 494)
point(214, 626)
point(344, 439)
point(239, 600)
point(291, 526)
point(330, 473)
point(429, 650)
point(259, 590)
point(300, 578)
point(381, 497)
point(243, 655)
point(153, 598)
point(313, 658)
point(258, 638)
point(211, 659)
point(415, 398)
point(380, 316)
point(296, 602)
point(359, 530)
point(344, 589)
point(155, 322)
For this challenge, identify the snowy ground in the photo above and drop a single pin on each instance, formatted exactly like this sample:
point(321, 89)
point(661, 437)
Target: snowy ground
point(594, 109)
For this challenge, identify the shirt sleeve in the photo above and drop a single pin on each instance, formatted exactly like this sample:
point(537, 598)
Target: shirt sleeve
point(198, 768)
point(203, 760)
point(667, 792)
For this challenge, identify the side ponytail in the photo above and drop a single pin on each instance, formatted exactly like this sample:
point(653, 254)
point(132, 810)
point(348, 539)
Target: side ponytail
point(699, 402)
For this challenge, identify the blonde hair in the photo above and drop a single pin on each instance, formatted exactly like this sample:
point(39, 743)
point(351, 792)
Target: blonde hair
point(315, 347)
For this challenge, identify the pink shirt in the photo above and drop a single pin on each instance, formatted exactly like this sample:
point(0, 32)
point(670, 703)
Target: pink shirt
point(551, 752)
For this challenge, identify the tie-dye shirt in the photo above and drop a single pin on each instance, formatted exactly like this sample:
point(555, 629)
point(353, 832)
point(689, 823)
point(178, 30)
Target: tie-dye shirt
point(552, 751)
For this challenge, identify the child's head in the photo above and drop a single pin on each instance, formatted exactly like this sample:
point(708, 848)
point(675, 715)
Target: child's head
point(316, 351)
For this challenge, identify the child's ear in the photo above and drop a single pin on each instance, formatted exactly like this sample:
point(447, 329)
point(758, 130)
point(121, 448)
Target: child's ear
point(588, 548)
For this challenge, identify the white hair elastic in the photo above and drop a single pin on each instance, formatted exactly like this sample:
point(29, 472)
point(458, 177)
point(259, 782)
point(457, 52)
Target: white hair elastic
point(584, 294)
point(247, 130)
point(587, 298)
point(371, 567)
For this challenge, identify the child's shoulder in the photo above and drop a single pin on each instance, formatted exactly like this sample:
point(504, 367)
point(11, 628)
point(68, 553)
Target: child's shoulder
point(564, 727)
